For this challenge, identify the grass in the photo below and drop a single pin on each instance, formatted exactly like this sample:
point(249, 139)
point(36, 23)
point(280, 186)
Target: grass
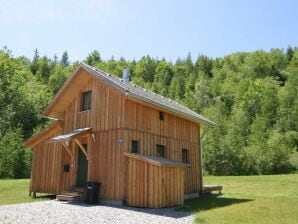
point(249, 199)
point(17, 191)
point(246, 199)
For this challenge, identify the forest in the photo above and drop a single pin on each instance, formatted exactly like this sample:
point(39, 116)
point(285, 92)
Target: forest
point(252, 96)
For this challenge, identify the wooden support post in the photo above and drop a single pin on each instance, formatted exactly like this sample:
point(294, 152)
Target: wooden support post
point(68, 150)
point(82, 148)
point(34, 195)
point(90, 137)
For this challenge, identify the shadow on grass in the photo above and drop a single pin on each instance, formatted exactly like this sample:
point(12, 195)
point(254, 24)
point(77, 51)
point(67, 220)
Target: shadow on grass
point(192, 205)
point(210, 202)
point(172, 212)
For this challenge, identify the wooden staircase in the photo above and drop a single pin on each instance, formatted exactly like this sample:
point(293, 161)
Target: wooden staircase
point(72, 194)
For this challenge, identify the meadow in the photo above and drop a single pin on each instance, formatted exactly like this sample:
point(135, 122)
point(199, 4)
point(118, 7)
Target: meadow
point(271, 199)
point(14, 191)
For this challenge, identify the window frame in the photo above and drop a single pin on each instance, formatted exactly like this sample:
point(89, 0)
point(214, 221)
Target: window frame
point(185, 159)
point(133, 142)
point(161, 115)
point(66, 168)
point(86, 95)
point(158, 148)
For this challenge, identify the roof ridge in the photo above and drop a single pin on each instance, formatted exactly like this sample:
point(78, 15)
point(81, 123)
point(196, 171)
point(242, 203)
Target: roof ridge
point(135, 85)
point(149, 96)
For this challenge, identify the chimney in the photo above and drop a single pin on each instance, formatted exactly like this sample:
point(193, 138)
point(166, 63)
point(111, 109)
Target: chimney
point(125, 75)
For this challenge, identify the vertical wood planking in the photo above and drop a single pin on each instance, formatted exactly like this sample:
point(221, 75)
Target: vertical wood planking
point(112, 117)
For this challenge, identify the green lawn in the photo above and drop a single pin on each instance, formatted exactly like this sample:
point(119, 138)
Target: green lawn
point(17, 191)
point(249, 199)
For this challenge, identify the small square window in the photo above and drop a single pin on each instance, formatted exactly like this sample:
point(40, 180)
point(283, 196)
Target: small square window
point(66, 168)
point(134, 146)
point(161, 116)
point(185, 155)
point(160, 150)
point(86, 101)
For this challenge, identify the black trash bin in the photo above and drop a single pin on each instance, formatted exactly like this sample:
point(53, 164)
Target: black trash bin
point(92, 190)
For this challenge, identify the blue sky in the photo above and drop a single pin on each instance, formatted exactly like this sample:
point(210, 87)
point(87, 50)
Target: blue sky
point(160, 28)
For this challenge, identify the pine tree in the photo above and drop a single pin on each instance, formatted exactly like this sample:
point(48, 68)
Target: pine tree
point(35, 62)
point(64, 59)
point(93, 58)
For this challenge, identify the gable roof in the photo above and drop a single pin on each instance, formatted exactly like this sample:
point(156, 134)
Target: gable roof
point(133, 91)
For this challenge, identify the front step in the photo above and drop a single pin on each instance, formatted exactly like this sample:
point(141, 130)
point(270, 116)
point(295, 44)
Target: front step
point(72, 194)
point(77, 189)
point(64, 197)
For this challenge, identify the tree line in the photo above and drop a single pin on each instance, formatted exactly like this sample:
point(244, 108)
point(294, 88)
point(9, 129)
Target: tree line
point(252, 96)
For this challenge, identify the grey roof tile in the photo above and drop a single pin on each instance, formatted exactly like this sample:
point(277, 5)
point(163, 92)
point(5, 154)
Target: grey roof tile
point(140, 93)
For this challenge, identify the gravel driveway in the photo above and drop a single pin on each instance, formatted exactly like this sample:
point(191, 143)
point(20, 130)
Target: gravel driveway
point(64, 212)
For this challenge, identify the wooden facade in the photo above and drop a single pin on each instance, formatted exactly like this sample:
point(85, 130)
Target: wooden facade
point(116, 120)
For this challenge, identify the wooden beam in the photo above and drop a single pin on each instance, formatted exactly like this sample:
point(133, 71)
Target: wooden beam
point(82, 148)
point(68, 150)
point(89, 160)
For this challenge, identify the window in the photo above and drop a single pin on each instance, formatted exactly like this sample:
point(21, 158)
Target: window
point(161, 116)
point(86, 101)
point(185, 155)
point(160, 150)
point(134, 146)
point(66, 168)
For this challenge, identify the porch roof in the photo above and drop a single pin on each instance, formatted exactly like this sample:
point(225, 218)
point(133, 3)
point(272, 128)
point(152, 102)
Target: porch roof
point(68, 136)
point(156, 160)
point(45, 134)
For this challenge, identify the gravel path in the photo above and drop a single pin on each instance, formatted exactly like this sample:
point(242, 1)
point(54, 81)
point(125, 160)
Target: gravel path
point(63, 212)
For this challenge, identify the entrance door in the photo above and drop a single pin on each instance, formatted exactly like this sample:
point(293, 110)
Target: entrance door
point(82, 168)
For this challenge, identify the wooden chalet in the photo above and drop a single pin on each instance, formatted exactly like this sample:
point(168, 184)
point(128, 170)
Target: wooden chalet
point(143, 148)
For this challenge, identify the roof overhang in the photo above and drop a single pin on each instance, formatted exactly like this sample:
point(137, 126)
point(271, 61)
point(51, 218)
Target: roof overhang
point(46, 133)
point(136, 97)
point(73, 85)
point(157, 161)
point(77, 133)
point(172, 111)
